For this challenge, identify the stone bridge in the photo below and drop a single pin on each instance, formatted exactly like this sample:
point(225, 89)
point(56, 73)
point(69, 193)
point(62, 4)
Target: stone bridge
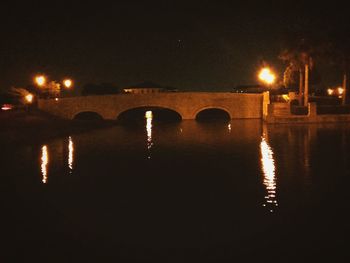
point(186, 104)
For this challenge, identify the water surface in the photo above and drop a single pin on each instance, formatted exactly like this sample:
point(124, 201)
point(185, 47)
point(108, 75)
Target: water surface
point(182, 192)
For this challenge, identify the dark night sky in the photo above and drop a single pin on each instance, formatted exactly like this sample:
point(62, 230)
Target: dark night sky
point(203, 45)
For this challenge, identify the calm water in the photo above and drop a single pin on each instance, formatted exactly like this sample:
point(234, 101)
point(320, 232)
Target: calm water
point(182, 192)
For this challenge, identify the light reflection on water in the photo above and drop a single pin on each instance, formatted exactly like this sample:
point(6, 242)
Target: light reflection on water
point(44, 163)
point(209, 171)
point(269, 170)
point(44, 158)
point(70, 154)
point(149, 118)
point(190, 139)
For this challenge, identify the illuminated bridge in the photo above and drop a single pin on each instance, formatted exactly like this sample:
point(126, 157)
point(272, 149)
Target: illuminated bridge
point(187, 104)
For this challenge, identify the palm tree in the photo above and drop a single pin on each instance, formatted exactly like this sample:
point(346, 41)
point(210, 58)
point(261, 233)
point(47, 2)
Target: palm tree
point(293, 65)
point(298, 59)
point(299, 56)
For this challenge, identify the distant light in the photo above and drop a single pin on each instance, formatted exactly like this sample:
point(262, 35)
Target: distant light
point(149, 115)
point(56, 99)
point(29, 98)
point(68, 83)
point(40, 80)
point(340, 90)
point(286, 97)
point(267, 76)
point(6, 107)
point(330, 92)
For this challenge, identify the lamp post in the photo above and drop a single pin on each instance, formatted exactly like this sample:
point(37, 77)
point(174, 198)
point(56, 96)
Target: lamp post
point(67, 85)
point(41, 82)
point(52, 88)
point(267, 77)
point(28, 99)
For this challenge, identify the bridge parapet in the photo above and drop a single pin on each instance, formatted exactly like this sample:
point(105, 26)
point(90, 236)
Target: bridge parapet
point(187, 104)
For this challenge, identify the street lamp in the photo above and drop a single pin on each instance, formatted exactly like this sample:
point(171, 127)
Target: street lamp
point(330, 92)
point(68, 83)
point(340, 91)
point(51, 88)
point(29, 98)
point(267, 76)
point(40, 80)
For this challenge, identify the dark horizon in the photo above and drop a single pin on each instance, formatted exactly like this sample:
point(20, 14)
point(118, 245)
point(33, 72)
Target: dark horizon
point(196, 46)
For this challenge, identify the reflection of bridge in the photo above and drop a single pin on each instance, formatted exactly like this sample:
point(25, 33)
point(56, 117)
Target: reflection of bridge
point(186, 104)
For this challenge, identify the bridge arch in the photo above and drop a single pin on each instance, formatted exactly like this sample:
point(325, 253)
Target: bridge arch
point(159, 113)
point(87, 115)
point(212, 113)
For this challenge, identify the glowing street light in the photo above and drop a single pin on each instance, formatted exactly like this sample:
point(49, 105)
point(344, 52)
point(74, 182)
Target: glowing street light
point(52, 89)
point(68, 83)
point(267, 76)
point(340, 91)
point(330, 92)
point(40, 80)
point(29, 98)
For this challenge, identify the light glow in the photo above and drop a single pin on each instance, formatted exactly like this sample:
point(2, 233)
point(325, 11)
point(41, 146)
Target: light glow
point(267, 76)
point(68, 83)
point(6, 107)
point(149, 114)
point(149, 118)
point(340, 90)
point(44, 163)
point(40, 80)
point(70, 154)
point(286, 97)
point(330, 92)
point(269, 170)
point(29, 98)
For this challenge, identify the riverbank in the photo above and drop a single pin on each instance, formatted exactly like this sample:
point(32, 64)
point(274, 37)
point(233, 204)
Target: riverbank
point(20, 127)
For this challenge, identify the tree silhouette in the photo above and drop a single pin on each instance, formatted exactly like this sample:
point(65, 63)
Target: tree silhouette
point(299, 55)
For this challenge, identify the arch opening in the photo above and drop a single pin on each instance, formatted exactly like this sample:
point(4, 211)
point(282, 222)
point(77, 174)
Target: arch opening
point(88, 116)
point(213, 115)
point(159, 114)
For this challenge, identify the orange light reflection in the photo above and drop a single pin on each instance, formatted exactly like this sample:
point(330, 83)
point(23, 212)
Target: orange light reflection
point(269, 170)
point(44, 163)
point(149, 118)
point(70, 154)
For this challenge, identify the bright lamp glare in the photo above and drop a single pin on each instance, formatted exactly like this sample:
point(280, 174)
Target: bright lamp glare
point(267, 76)
point(40, 80)
point(68, 83)
point(29, 98)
